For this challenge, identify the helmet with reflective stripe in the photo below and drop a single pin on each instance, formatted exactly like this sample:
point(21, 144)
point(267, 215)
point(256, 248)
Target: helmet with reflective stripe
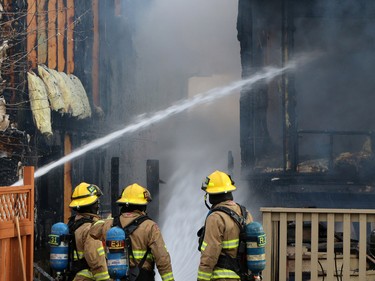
point(218, 182)
point(85, 194)
point(134, 194)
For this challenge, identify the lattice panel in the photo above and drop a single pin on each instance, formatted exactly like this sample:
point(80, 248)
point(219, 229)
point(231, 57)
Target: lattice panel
point(12, 204)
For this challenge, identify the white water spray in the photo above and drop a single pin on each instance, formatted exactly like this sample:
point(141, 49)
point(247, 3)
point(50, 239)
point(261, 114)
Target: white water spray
point(264, 75)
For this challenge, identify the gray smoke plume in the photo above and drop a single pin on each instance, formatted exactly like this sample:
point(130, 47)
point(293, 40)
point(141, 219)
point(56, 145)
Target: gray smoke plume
point(187, 47)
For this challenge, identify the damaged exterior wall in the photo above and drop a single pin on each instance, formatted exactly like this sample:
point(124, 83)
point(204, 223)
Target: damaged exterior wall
point(77, 39)
point(14, 143)
point(306, 139)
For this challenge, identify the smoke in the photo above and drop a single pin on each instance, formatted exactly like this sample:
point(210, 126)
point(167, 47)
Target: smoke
point(185, 48)
point(189, 37)
point(338, 89)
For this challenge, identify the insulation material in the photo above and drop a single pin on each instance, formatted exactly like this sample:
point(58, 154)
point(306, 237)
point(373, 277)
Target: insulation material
point(4, 118)
point(75, 103)
point(66, 87)
point(39, 104)
point(55, 96)
point(80, 96)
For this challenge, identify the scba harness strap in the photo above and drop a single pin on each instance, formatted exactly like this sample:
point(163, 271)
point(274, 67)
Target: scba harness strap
point(129, 229)
point(237, 264)
point(76, 266)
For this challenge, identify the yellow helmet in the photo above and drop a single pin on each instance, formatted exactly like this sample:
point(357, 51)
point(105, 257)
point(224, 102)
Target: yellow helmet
point(85, 194)
point(135, 194)
point(218, 182)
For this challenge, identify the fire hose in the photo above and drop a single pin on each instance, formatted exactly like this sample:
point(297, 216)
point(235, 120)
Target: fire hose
point(45, 274)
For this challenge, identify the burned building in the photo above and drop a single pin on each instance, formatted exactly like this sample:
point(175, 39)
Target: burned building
point(62, 88)
point(307, 137)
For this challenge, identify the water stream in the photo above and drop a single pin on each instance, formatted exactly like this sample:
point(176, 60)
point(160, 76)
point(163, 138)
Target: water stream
point(183, 208)
point(144, 121)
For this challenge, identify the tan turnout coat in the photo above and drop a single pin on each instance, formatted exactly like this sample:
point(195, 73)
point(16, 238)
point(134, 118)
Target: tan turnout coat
point(221, 237)
point(147, 235)
point(92, 250)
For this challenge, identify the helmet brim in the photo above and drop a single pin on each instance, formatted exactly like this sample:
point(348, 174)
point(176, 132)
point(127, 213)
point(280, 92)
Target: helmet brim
point(122, 201)
point(83, 201)
point(219, 190)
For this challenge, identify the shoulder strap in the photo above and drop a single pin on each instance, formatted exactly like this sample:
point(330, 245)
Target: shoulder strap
point(129, 229)
point(75, 265)
point(240, 220)
point(73, 224)
point(243, 212)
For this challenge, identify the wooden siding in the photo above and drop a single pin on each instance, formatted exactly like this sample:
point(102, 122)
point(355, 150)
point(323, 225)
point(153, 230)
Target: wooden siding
point(50, 40)
point(50, 29)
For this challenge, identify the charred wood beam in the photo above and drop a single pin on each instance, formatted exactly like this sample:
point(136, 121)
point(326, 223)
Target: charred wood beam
point(153, 180)
point(115, 185)
point(290, 143)
point(69, 36)
point(360, 9)
point(83, 47)
point(68, 188)
point(61, 28)
point(245, 37)
point(335, 132)
point(253, 37)
point(95, 54)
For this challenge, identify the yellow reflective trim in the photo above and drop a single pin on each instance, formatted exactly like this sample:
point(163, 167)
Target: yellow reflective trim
point(230, 244)
point(167, 276)
point(165, 246)
point(224, 273)
point(86, 273)
point(100, 251)
point(138, 254)
point(99, 221)
point(78, 255)
point(102, 276)
point(204, 245)
point(204, 275)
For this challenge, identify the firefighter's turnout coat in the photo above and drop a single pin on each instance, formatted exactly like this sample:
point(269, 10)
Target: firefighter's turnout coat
point(146, 236)
point(221, 238)
point(92, 250)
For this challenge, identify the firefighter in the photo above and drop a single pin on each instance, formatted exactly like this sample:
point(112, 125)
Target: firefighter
point(146, 245)
point(219, 241)
point(89, 262)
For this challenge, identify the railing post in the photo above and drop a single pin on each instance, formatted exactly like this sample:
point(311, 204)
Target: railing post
point(326, 256)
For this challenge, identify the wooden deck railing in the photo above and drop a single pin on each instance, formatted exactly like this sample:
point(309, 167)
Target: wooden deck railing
point(295, 251)
point(17, 203)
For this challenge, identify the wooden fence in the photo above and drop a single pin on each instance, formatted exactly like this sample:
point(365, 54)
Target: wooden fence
point(17, 230)
point(318, 244)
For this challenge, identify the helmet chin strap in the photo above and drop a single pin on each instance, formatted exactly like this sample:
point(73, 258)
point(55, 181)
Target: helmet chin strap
point(205, 202)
